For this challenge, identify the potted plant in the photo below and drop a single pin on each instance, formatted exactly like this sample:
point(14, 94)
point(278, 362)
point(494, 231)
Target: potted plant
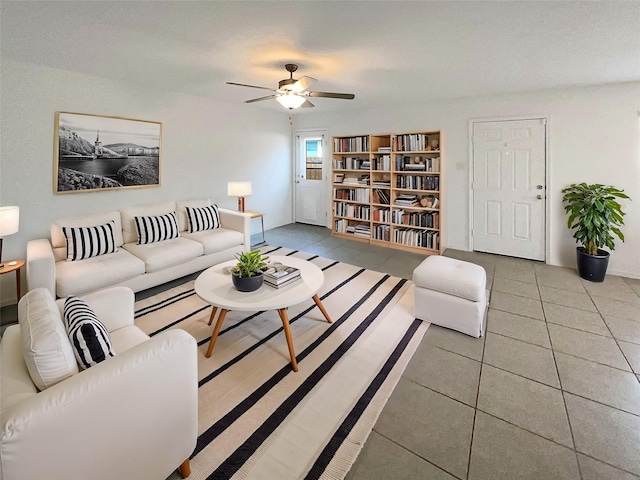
point(247, 273)
point(595, 214)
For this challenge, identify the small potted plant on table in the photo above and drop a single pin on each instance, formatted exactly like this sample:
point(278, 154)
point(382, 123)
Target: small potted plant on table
point(247, 273)
point(595, 214)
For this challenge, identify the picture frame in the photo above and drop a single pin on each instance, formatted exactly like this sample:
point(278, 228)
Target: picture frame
point(338, 177)
point(126, 153)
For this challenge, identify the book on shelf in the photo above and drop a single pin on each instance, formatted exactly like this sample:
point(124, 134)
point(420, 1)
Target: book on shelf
point(381, 163)
point(418, 167)
point(381, 183)
point(380, 196)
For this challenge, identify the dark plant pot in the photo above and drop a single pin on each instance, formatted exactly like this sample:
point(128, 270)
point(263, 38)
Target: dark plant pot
point(592, 267)
point(247, 284)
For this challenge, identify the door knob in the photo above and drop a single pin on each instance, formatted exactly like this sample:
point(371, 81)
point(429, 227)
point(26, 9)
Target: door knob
point(539, 197)
point(539, 187)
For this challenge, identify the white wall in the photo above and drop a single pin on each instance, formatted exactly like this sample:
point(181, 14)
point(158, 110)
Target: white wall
point(594, 136)
point(204, 144)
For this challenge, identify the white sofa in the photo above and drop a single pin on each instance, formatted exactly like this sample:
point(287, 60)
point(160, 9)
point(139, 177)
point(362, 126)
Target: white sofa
point(134, 415)
point(135, 266)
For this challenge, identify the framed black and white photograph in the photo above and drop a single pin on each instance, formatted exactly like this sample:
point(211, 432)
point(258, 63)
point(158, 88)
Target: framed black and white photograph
point(96, 152)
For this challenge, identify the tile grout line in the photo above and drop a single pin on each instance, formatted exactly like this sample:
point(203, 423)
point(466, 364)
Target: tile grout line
point(633, 372)
point(475, 408)
point(564, 400)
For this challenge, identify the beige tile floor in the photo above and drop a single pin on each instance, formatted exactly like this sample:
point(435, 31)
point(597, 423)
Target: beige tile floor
point(552, 391)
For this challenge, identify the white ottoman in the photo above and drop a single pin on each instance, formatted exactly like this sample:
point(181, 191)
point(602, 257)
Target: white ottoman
point(451, 293)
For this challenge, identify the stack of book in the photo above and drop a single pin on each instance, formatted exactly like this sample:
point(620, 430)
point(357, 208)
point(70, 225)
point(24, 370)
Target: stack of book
point(281, 277)
point(406, 200)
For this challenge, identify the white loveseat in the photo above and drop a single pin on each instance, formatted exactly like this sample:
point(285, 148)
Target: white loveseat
point(134, 415)
point(135, 266)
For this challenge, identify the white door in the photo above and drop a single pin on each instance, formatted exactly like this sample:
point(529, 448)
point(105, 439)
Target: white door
point(310, 200)
point(509, 200)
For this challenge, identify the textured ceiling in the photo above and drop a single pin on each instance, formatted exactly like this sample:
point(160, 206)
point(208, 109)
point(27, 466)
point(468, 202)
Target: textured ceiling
point(385, 52)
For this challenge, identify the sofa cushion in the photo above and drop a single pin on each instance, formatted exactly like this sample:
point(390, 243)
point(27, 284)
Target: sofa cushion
point(125, 338)
point(129, 233)
point(89, 337)
point(86, 242)
point(205, 218)
point(216, 240)
point(183, 223)
point(59, 240)
point(156, 228)
point(17, 385)
point(46, 348)
point(73, 278)
point(160, 255)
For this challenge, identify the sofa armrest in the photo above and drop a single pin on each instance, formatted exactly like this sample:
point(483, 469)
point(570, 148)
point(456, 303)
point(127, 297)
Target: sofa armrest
point(41, 265)
point(237, 221)
point(113, 306)
point(132, 416)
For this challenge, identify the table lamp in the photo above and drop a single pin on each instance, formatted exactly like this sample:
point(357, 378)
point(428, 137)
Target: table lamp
point(240, 190)
point(9, 222)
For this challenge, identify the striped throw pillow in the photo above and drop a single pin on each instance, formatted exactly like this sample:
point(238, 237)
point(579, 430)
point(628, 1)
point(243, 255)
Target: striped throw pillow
point(156, 229)
point(86, 242)
point(89, 337)
point(205, 218)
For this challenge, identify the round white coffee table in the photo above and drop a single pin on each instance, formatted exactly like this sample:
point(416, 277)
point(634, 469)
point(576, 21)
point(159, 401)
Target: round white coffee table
point(214, 286)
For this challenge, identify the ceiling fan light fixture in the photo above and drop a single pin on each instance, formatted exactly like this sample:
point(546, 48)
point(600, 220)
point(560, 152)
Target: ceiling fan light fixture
point(290, 100)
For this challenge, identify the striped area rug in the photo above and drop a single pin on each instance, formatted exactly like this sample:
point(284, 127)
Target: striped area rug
point(260, 420)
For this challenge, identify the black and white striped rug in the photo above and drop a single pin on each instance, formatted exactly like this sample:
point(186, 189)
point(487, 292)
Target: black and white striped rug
point(260, 420)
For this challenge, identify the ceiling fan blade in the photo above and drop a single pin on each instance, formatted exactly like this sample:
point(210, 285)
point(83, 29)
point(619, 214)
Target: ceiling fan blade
point(251, 86)
point(302, 84)
point(307, 104)
point(343, 96)
point(268, 97)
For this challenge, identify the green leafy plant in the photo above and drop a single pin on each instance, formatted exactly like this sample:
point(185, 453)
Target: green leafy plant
point(249, 264)
point(595, 214)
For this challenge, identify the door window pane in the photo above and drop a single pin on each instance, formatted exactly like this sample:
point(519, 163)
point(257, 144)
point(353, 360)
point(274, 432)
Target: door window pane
point(313, 159)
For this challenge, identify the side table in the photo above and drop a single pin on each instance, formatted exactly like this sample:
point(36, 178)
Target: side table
point(7, 268)
point(261, 216)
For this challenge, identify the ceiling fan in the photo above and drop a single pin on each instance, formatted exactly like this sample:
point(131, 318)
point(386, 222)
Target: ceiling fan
point(292, 93)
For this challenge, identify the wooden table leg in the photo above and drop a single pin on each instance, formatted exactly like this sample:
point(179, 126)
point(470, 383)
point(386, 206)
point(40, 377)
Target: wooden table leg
point(216, 331)
point(213, 314)
point(321, 307)
point(287, 333)
point(18, 282)
point(185, 469)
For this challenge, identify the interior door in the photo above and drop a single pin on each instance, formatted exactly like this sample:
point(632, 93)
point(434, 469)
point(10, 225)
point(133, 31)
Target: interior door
point(509, 200)
point(310, 199)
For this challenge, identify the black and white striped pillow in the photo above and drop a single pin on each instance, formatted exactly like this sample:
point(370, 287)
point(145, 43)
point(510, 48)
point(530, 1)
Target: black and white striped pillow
point(86, 242)
point(89, 337)
point(156, 229)
point(205, 218)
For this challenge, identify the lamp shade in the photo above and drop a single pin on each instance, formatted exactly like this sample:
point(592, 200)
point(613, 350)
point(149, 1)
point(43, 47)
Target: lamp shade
point(238, 189)
point(9, 220)
point(290, 100)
